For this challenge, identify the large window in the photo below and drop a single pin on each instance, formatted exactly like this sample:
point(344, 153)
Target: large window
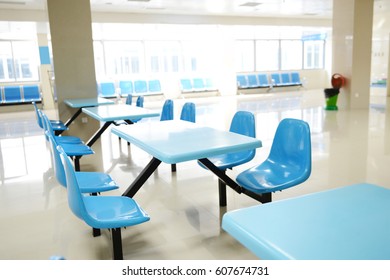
point(267, 55)
point(278, 54)
point(245, 55)
point(313, 54)
point(291, 54)
point(18, 61)
point(163, 56)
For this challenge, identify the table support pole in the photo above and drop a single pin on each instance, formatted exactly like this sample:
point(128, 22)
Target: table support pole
point(142, 178)
point(98, 133)
point(68, 122)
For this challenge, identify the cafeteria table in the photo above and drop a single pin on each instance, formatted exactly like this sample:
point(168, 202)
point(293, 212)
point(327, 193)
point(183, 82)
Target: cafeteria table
point(80, 103)
point(178, 141)
point(346, 223)
point(111, 113)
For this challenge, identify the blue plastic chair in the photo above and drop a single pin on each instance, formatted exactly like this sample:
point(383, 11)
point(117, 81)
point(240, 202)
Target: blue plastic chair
point(74, 150)
point(242, 81)
point(12, 94)
point(31, 93)
point(252, 81)
point(107, 89)
point(57, 125)
point(154, 86)
point(167, 111)
point(59, 139)
point(186, 85)
point(188, 112)
point(140, 87)
point(102, 212)
point(139, 103)
point(243, 123)
point(89, 182)
point(288, 163)
point(126, 88)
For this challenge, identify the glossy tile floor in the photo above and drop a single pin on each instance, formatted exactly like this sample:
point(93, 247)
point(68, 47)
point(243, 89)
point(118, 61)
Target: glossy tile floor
point(348, 147)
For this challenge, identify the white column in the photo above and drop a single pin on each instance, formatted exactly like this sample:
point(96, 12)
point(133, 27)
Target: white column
point(352, 40)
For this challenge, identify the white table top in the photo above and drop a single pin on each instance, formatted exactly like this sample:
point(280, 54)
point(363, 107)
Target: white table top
point(177, 141)
point(117, 112)
point(348, 223)
point(87, 102)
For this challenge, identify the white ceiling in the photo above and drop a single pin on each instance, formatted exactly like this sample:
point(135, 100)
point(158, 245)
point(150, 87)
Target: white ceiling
point(261, 8)
point(318, 9)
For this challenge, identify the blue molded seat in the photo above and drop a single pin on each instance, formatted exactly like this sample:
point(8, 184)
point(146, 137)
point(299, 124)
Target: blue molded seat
point(286, 80)
point(102, 212)
point(107, 89)
point(31, 93)
point(186, 85)
point(188, 112)
point(243, 123)
point(242, 81)
point(154, 86)
point(275, 79)
point(12, 94)
point(198, 84)
point(74, 150)
point(167, 111)
point(252, 81)
point(263, 80)
point(209, 85)
point(288, 163)
point(59, 139)
point(89, 182)
point(140, 87)
point(57, 125)
point(295, 79)
point(126, 87)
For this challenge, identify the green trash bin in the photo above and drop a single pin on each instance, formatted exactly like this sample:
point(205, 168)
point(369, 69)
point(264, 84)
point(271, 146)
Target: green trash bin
point(331, 95)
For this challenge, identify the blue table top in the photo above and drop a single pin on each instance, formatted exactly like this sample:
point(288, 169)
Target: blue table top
point(177, 141)
point(117, 112)
point(87, 102)
point(350, 223)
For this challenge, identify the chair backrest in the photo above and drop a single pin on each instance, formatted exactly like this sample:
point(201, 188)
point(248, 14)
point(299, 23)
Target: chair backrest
point(107, 89)
point(59, 170)
point(285, 78)
point(243, 123)
point(75, 197)
point(154, 86)
point(47, 127)
point(252, 80)
point(37, 115)
point(31, 93)
point(295, 78)
point(129, 99)
point(167, 111)
point(198, 84)
point(276, 78)
point(263, 79)
point(12, 94)
point(140, 86)
point(292, 145)
point(186, 85)
point(242, 81)
point(126, 87)
point(140, 101)
point(188, 112)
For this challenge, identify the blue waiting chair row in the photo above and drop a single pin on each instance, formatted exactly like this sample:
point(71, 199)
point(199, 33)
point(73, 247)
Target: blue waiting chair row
point(262, 80)
point(20, 94)
point(196, 85)
point(126, 87)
